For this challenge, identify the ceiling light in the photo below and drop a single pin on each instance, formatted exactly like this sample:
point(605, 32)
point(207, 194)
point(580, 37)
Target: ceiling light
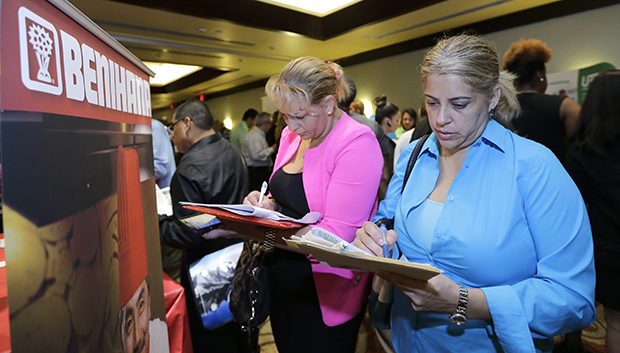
point(166, 73)
point(319, 8)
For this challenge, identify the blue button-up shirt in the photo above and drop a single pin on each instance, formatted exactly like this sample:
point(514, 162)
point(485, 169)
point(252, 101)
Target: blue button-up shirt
point(514, 225)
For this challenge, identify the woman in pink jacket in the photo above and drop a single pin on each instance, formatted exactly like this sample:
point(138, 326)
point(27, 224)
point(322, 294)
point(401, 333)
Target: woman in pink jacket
point(327, 163)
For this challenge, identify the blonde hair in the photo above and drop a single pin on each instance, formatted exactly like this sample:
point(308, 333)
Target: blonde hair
point(306, 81)
point(475, 60)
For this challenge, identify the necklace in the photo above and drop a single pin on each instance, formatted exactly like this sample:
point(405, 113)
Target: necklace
point(449, 167)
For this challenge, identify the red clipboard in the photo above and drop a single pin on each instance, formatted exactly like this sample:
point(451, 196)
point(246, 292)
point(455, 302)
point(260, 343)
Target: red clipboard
point(223, 214)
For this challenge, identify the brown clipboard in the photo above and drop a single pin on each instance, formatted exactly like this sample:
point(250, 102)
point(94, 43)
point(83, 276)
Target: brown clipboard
point(227, 215)
point(363, 262)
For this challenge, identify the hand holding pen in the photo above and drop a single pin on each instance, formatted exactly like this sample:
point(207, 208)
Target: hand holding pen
point(386, 249)
point(375, 239)
point(263, 191)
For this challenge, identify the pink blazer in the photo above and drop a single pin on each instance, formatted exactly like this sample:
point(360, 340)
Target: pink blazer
point(341, 177)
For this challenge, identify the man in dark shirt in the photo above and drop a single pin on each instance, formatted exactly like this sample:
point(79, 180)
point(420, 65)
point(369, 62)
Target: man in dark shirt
point(211, 171)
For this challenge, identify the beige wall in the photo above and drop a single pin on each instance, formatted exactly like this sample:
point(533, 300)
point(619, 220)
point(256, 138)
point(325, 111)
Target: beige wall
point(577, 41)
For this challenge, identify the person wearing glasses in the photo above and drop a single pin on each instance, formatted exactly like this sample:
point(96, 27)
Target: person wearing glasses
point(327, 163)
point(211, 171)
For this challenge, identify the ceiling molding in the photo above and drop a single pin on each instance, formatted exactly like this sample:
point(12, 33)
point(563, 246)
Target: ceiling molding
point(173, 33)
point(521, 18)
point(262, 15)
point(158, 42)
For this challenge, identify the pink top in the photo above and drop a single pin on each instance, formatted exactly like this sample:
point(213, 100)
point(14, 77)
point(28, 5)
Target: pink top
point(341, 178)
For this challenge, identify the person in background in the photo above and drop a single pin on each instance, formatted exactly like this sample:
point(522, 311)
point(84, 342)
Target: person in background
point(422, 128)
point(257, 153)
point(408, 121)
point(280, 126)
point(163, 154)
point(222, 129)
point(547, 119)
point(318, 168)
point(165, 166)
point(211, 171)
point(387, 115)
point(497, 213)
point(593, 161)
point(387, 148)
point(238, 132)
point(270, 135)
point(357, 107)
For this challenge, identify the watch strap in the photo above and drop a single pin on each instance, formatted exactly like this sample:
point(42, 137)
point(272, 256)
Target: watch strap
point(459, 317)
point(270, 240)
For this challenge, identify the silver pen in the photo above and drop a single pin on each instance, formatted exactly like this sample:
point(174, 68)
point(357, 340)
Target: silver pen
point(263, 190)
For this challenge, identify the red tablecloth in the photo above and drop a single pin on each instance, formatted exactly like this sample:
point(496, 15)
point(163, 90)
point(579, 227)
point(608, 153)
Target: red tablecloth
point(5, 341)
point(176, 316)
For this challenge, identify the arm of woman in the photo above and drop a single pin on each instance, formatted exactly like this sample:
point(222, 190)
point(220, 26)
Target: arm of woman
point(437, 295)
point(569, 112)
point(232, 229)
point(559, 297)
point(351, 191)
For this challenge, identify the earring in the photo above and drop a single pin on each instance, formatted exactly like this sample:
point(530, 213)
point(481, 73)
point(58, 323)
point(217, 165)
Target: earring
point(329, 112)
point(542, 78)
point(491, 113)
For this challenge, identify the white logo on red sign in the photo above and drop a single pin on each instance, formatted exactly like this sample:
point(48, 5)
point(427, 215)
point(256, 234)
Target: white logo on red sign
point(39, 53)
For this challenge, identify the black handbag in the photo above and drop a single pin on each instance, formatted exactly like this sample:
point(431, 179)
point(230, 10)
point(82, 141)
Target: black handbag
point(389, 222)
point(249, 298)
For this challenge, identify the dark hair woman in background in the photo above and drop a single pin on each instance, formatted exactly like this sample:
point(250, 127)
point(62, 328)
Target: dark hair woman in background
point(408, 121)
point(387, 114)
point(593, 160)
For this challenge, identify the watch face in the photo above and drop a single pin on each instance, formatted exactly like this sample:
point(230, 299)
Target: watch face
point(458, 319)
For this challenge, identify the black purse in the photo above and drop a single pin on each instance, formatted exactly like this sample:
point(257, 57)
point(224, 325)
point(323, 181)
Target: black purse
point(389, 222)
point(249, 298)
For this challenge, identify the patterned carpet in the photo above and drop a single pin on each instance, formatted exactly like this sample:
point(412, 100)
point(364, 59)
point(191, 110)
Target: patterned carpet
point(593, 337)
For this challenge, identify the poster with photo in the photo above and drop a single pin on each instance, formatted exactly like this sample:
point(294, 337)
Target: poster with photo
point(83, 262)
point(211, 285)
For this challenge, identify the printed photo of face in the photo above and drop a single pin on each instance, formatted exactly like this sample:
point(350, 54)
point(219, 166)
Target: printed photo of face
point(134, 320)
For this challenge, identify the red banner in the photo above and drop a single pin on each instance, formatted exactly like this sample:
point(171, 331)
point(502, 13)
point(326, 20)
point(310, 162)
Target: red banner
point(53, 65)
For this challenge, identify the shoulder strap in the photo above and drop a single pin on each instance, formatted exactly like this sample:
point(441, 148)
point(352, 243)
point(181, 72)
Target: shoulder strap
point(414, 158)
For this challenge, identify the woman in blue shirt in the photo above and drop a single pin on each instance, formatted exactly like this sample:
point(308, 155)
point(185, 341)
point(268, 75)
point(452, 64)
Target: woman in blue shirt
point(496, 212)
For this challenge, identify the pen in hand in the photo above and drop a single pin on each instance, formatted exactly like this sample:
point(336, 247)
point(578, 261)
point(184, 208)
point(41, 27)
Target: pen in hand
point(386, 249)
point(263, 190)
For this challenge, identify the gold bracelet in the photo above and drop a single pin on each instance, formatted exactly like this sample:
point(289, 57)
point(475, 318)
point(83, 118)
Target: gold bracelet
point(270, 239)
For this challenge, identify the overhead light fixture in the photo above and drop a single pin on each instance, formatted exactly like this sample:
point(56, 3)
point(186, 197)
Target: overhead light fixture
point(319, 8)
point(166, 73)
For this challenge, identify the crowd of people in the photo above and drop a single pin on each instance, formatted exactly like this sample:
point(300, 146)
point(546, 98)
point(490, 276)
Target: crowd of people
point(511, 195)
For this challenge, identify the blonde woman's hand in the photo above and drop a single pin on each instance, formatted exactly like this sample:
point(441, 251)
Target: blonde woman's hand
point(254, 196)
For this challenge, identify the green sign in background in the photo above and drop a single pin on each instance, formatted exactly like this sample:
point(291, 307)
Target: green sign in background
point(586, 75)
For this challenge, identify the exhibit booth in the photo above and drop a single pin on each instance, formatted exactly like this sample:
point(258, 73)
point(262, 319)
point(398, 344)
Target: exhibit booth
point(80, 261)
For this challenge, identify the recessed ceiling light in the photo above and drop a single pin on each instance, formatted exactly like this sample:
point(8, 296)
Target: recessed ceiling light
point(319, 8)
point(166, 73)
